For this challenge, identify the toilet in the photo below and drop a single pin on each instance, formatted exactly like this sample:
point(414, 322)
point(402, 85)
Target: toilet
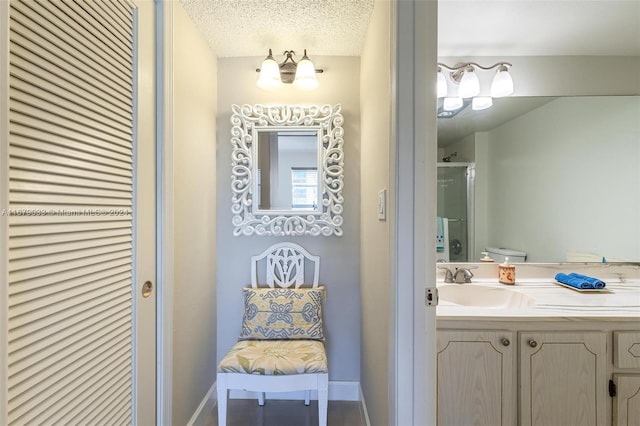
point(499, 254)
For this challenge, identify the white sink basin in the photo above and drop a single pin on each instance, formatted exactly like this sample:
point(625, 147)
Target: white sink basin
point(483, 296)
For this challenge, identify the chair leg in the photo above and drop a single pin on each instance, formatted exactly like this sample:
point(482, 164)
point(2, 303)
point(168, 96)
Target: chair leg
point(307, 397)
point(323, 398)
point(260, 398)
point(221, 384)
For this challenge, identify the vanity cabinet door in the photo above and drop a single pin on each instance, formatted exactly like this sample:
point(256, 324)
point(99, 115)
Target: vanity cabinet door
point(476, 378)
point(626, 403)
point(563, 379)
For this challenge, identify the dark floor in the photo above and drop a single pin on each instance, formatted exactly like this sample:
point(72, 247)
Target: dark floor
point(247, 412)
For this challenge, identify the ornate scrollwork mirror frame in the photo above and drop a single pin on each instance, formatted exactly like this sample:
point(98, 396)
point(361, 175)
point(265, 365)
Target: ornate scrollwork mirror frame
point(247, 220)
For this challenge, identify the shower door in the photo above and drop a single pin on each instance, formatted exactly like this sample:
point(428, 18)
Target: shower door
point(455, 203)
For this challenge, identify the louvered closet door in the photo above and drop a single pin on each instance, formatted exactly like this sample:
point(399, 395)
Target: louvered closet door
point(81, 225)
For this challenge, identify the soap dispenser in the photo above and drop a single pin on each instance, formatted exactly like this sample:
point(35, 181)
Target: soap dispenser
point(506, 272)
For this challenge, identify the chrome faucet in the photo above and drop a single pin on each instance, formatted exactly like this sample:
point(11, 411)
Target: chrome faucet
point(448, 275)
point(463, 275)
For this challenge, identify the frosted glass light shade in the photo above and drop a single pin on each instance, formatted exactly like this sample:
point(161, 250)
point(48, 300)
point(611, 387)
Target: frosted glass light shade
point(481, 102)
point(269, 78)
point(452, 104)
point(306, 75)
point(502, 84)
point(442, 84)
point(469, 84)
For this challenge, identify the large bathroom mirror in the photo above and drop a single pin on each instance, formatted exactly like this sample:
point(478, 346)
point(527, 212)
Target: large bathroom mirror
point(287, 165)
point(556, 179)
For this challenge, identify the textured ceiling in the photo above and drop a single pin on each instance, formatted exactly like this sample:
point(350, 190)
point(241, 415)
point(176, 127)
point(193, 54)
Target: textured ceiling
point(250, 27)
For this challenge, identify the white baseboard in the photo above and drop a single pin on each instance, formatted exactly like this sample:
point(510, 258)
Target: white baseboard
point(211, 395)
point(365, 413)
point(338, 391)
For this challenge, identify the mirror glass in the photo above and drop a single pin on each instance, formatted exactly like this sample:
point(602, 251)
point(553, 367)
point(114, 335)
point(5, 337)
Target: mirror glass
point(287, 165)
point(287, 170)
point(552, 179)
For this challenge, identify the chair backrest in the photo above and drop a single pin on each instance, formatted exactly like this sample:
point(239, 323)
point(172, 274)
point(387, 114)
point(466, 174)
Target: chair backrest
point(285, 265)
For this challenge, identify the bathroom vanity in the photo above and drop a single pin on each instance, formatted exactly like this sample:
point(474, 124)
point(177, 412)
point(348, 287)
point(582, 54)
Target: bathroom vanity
point(539, 354)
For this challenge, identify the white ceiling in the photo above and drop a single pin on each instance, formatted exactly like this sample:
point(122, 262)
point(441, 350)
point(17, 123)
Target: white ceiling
point(236, 28)
point(466, 27)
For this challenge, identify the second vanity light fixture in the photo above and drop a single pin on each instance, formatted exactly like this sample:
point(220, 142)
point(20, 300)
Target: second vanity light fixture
point(302, 73)
point(464, 75)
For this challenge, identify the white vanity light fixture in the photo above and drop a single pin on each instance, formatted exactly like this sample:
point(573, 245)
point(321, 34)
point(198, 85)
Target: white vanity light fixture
point(269, 74)
point(469, 83)
point(481, 102)
point(502, 84)
point(452, 104)
point(302, 74)
point(465, 76)
point(442, 84)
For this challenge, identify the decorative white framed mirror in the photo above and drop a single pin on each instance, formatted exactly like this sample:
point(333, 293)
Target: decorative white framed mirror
point(287, 170)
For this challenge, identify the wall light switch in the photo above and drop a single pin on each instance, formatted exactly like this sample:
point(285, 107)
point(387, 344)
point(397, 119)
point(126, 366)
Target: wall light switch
point(382, 204)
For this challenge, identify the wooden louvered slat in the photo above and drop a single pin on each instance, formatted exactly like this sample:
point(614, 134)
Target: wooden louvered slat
point(25, 408)
point(62, 170)
point(53, 334)
point(81, 162)
point(32, 71)
point(92, 337)
point(24, 275)
point(55, 190)
point(25, 61)
point(77, 182)
point(96, 396)
point(23, 198)
point(70, 246)
point(117, 23)
point(78, 42)
point(65, 52)
point(41, 97)
point(58, 14)
point(120, 9)
point(28, 241)
point(60, 258)
point(64, 67)
point(31, 116)
point(19, 231)
point(102, 35)
point(70, 212)
point(59, 290)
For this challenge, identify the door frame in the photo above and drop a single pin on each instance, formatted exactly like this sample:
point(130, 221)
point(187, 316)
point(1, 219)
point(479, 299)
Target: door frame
point(412, 375)
point(165, 207)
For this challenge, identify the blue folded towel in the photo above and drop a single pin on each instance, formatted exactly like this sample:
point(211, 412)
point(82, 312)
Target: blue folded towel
point(440, 235)
point(573, 281)
point(597, 283)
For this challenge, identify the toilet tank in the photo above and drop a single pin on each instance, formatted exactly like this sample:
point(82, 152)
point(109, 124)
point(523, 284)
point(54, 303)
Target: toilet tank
point(499, 254)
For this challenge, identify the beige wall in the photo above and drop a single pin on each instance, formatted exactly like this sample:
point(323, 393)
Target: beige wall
point(374, 245)
point(194, 170)
point(339, 256)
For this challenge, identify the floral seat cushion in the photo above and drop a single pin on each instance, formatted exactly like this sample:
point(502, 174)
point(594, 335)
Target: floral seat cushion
point(275, 357)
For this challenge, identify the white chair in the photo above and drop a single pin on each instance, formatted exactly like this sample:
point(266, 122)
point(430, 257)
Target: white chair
point(289, 326)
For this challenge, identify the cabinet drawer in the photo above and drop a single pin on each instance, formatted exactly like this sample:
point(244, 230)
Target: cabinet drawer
point(626, 349)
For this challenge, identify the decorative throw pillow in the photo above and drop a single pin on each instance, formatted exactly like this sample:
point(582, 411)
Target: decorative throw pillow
point(282, 313)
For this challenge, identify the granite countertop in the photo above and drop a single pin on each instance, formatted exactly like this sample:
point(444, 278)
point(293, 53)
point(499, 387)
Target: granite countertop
point(620, 301)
